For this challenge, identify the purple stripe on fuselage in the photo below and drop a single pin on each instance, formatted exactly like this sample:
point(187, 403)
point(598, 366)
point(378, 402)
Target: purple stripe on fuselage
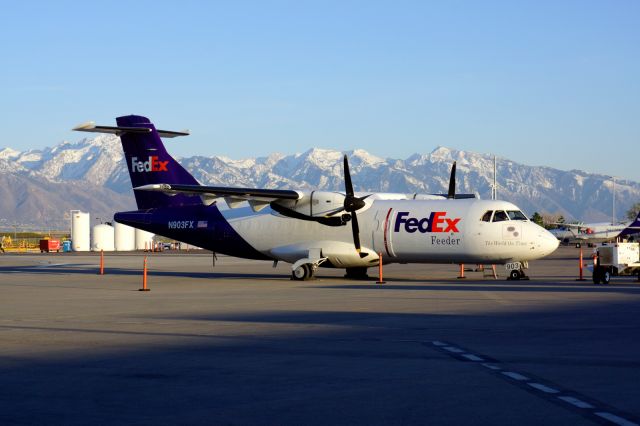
point(181, 224)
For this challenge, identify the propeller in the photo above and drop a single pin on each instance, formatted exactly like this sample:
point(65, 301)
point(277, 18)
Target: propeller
point(452, 182)
point(351, 205)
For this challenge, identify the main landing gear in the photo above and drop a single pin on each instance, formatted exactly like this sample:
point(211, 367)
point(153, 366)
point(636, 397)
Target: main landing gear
point(304, 272)
point(305, 269)
point(357, 274)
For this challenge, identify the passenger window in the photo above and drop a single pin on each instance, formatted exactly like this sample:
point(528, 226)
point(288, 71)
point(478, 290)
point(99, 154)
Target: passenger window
point(500, 216)
point(487, 216)
point(516, 215)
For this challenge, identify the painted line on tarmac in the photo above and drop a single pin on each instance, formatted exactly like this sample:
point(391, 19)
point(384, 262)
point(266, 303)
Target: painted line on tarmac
point(616, 419)
point(587, 407)
point(543, 388)
point(575, 401)
point(515, 376)
point(472, 357)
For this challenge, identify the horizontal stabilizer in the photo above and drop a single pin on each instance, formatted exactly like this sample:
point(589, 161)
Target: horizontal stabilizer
point(90, 126)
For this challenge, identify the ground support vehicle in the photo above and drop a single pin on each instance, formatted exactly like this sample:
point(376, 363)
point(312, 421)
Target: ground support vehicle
point(49, 245)
point(618, 259)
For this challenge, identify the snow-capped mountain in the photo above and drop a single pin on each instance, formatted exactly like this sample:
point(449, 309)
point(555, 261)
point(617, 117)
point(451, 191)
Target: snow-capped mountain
point(38, 186)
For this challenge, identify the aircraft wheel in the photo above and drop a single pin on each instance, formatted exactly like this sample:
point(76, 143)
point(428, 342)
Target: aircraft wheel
point(606, 277)
point(514, 275)
point(578, 245)
point(596, 276)
point(302, 272)
point(357, 273)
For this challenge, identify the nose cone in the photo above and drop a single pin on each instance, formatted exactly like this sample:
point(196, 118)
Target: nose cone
point(547, 242)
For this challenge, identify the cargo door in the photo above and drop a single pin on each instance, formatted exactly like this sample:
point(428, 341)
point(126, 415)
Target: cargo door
point(382, 235)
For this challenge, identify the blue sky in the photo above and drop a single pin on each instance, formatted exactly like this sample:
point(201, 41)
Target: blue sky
point(554, 83)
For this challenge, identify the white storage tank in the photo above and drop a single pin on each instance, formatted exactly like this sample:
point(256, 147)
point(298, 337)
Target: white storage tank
point(125, 237)
point(144, 239)
point(103, 236)
point(80, 231)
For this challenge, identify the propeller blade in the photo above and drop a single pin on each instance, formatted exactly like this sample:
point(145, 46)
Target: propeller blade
point(347, 178)
point(356, 231)
point(452, 182)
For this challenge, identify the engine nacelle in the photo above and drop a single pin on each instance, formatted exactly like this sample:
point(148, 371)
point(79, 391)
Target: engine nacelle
point(324, 203)
point(316, 204)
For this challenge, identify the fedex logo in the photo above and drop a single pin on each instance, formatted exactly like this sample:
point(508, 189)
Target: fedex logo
point(151, 165)
point(436, 222)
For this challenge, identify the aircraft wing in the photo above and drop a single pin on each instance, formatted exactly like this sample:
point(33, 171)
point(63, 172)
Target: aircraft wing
point(258, 198)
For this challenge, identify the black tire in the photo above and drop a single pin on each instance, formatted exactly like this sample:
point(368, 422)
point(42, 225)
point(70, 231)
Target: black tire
point(578, 245)
point(605, 276)
point(310, 270)
point(514, 275)
point(596, 275)
point(301, 273)
point(357, 273)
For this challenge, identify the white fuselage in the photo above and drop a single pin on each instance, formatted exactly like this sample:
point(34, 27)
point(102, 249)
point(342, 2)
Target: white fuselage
point(421, 231)
point(593, 232)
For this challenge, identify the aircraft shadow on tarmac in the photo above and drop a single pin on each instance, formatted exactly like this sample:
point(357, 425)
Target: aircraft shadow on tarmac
point(502, 286)
point(374, 368)
point(93, 271)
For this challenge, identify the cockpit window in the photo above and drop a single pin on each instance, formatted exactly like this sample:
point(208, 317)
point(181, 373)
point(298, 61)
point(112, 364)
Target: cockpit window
point(516, 215)
point(500, 216)
point(487, 216)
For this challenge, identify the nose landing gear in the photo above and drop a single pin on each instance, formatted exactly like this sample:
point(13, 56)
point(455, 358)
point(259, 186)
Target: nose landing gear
point(517, 274)
point(516, 271)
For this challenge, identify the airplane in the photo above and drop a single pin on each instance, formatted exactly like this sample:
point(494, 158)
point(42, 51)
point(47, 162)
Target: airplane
point(312, 229)
point(591, 233)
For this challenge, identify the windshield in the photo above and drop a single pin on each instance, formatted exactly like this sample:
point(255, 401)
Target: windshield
point(487, 216)
point(516, 215)
point(499, 216)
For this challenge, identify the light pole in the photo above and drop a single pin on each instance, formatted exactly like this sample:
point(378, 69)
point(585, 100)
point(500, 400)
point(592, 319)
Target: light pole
point(494, 186)
point(613, 201)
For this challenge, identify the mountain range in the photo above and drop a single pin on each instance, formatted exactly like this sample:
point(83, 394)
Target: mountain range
point(39, 187)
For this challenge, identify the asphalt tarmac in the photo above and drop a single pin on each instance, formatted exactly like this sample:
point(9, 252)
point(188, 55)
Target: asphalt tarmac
point(242, 344)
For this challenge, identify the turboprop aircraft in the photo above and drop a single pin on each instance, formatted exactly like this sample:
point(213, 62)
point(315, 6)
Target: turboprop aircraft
point(310, 229)
point(592, 233)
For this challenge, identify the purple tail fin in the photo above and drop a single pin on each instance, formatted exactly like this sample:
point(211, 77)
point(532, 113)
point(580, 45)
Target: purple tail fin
point(148, 162)
point(632, 228)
